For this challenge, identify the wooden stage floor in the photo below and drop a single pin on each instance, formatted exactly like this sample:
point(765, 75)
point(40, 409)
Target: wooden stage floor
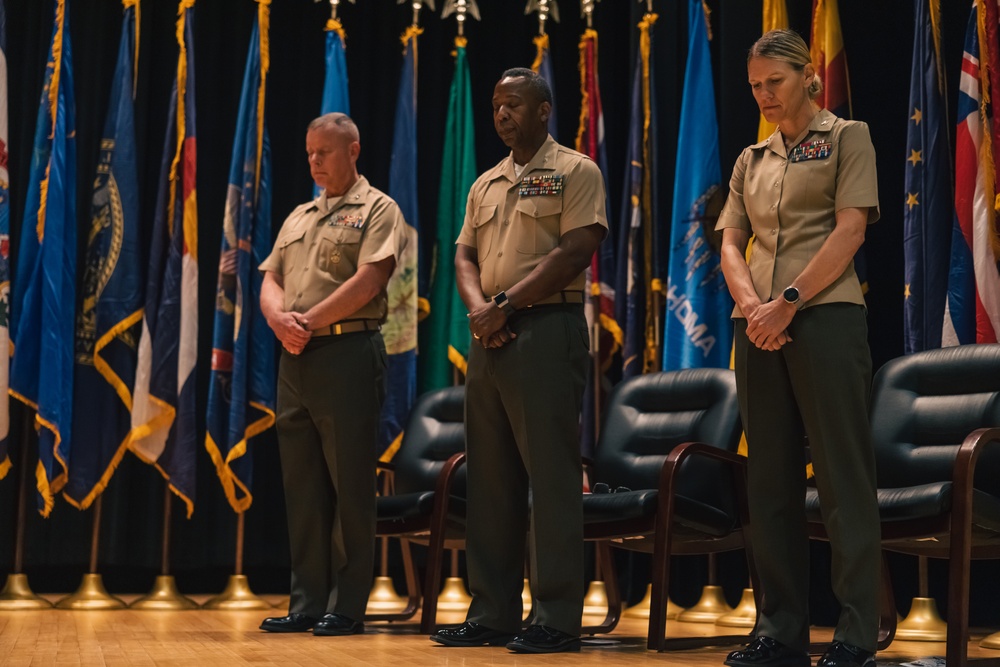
point(223, 638)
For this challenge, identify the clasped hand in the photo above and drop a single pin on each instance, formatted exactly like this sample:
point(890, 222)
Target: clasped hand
point(292, 329)
point(767, 325)
point(489, 327)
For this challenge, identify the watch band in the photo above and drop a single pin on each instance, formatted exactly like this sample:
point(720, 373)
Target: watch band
point(503, 303)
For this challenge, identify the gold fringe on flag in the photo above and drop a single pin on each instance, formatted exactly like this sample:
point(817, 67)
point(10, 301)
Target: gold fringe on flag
point(645, 49)
point(589, 35)
point(181, 116)
point(135, 57)
point(264, 21)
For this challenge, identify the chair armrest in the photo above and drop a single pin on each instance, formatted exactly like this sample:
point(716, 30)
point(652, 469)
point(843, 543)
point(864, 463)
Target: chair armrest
point(685, 450)
point(385, 466)
point(447, 476)
point(963, 473)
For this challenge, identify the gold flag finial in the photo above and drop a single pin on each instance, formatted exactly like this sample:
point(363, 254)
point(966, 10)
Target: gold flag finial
point(587, 10)
point(417, 6)
point(461, 9)
point(545, 9)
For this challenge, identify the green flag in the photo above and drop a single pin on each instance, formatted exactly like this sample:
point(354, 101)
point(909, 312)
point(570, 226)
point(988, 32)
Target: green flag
point(446, 345)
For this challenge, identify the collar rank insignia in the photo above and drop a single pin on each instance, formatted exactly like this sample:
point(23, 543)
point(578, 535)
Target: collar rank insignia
point(812, 150)
point(345, 220)
point(534, 186)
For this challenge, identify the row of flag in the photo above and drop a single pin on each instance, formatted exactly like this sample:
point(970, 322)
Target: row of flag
point(657, 296)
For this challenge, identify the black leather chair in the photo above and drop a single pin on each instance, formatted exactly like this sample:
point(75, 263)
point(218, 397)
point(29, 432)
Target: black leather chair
point(936, 430)
point(671, 439)
point(427, 503)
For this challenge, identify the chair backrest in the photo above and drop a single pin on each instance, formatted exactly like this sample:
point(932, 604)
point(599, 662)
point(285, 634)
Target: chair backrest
point(925, 404)
point(647, 416)
point(434, 432)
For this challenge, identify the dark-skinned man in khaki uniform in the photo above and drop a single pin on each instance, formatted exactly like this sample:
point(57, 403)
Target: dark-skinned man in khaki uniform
point(803, 366)
point(324, 296)
point(532, 225)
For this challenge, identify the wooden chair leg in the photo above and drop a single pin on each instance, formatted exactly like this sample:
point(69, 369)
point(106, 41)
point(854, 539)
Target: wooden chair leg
point(887, 613)
point(432, 586)
point(608, 573)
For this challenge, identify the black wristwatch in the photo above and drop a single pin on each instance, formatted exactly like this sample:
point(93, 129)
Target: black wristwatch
point(503, 303)
point(791, 295)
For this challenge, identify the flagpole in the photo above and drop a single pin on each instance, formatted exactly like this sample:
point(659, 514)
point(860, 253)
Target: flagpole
point(16, 594)
point(237, 595)
point(165, 596)
point(91, 595)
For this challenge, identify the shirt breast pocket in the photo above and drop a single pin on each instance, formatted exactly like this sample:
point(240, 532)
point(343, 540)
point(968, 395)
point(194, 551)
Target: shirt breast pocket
point(339, 249)
point(292, 250)
point(538, 224)
point(485, 228)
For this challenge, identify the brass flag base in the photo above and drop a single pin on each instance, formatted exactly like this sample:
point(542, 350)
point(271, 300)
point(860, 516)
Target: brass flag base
point(453, 596)
point(91, 596)
point(236, 597)
point(17, 596)
point(745, 614)
point(711, 606)
point(164, 597)
point(383, 598)
point(641, 608)
point(993, 641)
point(923, 623)
point(595, 602)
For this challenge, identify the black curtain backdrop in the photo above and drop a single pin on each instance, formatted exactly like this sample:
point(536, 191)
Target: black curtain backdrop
point(878, 42)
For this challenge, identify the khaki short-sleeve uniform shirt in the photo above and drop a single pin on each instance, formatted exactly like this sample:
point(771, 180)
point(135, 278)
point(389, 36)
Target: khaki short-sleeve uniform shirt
point(789, 201)
point(514, 222)
point(322, 244)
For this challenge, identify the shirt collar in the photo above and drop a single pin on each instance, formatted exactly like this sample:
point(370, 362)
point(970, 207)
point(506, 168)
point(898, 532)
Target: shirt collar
point(355, 196)
point(821, 122)
point(544, 158)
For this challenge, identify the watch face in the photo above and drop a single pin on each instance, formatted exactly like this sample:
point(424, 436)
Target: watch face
point(791, 294)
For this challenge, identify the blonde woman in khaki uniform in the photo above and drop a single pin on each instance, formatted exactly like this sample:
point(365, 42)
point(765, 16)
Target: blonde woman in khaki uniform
point(803, 366)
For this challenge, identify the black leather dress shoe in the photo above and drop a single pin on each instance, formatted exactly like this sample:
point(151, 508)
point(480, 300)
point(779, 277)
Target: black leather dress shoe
point(334, 625)
point(769, 652)
point(471, 634)
point(290, 623)
point(542, 639)
point(845, 655)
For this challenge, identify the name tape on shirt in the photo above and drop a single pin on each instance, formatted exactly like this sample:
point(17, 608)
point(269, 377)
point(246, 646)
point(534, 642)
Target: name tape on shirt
point(813, 150)
point(535, 186)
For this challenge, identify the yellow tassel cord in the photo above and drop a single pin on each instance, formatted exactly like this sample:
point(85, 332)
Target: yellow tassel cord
point(181, 117)
point(460, 43)
point(457, 359)
point(411, 34)
point(135, 56)
point(708, 22)
point(541, 46)
point(337, 27)
point(645, 47)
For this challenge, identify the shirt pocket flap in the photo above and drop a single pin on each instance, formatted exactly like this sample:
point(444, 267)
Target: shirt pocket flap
point(345, 235)
point(539, 207)
point(486, 213)
point(291, 237)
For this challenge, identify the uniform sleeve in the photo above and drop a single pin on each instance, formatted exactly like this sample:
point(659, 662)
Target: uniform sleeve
point(583, 198)
point(273, 261)
point(467, 235)
point(381, 236)
point(734, 213)
point(857, 178)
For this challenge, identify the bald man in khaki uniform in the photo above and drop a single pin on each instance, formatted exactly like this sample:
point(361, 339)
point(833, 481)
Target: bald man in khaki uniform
point(324, 296)
point(532, 225)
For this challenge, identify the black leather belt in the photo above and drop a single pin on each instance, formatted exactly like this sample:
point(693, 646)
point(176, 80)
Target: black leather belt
point(347, 326)
point(566, 296)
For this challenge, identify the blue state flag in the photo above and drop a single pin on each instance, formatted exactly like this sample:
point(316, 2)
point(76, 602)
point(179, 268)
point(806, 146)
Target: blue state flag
point(697, 330)
point(164, 430)
point(400, 328)
point(4, 254)
point(241, 394)
point(109, 313)
point(45, 287)
point(335, 95)
point(927, 212)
